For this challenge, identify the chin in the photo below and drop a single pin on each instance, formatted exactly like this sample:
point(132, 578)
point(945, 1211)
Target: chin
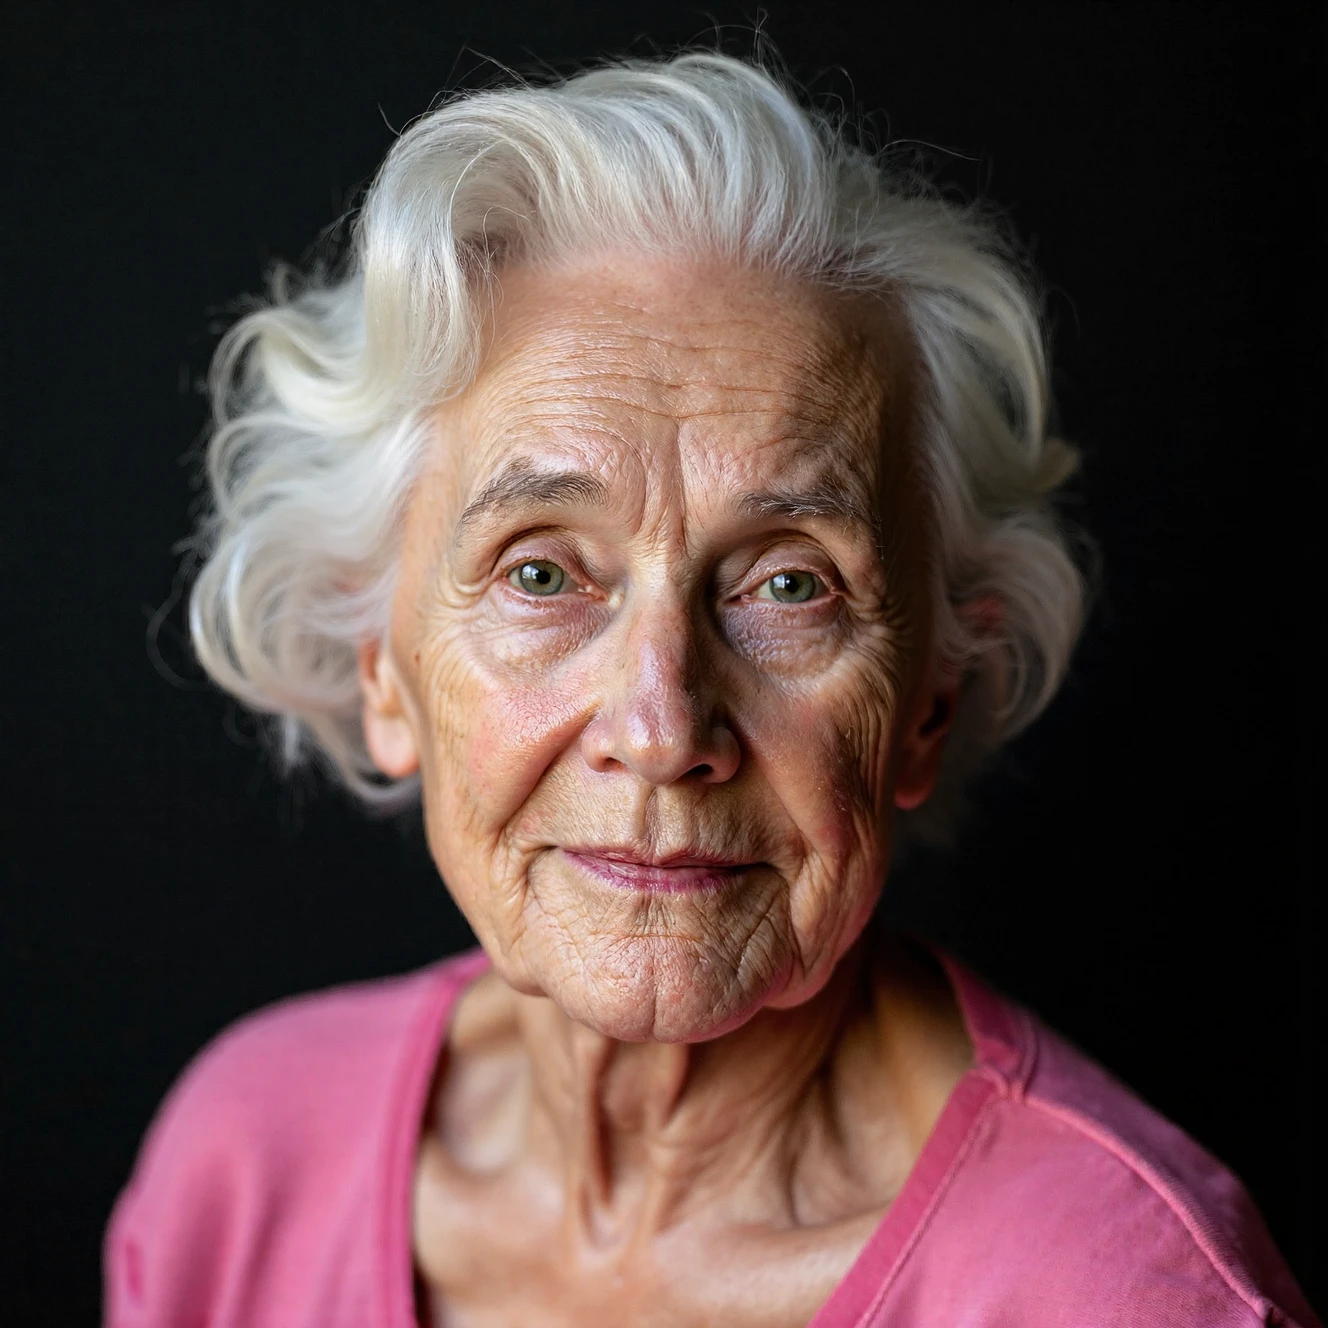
point(662, 988)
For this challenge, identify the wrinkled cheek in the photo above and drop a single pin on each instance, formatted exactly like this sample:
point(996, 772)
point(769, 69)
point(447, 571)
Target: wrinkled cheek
point(827, 764)
point(497, 732)
point(496, 737)
point(823, 768)
point(518, 733)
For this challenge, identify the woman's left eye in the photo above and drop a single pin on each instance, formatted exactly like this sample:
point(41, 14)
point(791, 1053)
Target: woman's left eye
point(793, 587)
point(538, 576)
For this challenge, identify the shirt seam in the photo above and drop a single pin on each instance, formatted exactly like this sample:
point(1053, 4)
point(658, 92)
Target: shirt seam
point(1109, 1142)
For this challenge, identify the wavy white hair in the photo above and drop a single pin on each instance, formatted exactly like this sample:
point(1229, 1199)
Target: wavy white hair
point(321, 395)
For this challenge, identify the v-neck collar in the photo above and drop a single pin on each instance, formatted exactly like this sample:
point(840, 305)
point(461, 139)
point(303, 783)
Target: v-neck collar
point(1003, 1049)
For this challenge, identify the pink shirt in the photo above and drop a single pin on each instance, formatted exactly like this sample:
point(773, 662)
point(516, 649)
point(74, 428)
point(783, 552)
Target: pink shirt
point(274, 1188)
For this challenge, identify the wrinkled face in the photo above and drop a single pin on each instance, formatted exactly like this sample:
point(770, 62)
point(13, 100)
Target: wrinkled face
point(658, 640)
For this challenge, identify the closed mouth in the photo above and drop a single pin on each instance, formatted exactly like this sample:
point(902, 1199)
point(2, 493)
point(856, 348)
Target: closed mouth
point(665, 873)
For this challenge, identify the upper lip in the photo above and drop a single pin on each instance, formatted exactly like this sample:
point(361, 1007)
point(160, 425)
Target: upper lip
point(687, 857)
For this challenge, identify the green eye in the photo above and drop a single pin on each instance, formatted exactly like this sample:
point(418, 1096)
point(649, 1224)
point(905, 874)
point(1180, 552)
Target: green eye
point(791, 587)
point(538, 577)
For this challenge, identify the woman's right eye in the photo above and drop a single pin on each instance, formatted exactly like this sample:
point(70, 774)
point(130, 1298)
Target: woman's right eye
point(538, 577)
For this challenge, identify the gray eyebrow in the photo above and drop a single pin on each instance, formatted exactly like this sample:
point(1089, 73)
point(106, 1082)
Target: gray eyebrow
point(826, 500)
point(519, 485)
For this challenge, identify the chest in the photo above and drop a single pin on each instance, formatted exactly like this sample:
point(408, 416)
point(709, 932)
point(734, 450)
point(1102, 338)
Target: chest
point(530, 1265)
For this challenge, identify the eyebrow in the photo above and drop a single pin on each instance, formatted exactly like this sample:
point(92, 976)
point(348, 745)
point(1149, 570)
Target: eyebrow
point(518, 484)
point(824, 500)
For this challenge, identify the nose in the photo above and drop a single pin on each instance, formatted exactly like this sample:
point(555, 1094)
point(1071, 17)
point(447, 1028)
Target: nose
point(659, 718)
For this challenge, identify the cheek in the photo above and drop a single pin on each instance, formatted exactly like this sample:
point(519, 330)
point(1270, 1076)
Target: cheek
point(825, 752)
point(825, 755)
point(490, 732)
point(517, 732)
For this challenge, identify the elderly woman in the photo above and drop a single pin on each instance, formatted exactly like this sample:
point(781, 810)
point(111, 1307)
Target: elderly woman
point(662, 496)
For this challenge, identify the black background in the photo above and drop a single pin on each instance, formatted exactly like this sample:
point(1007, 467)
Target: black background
point(1146, 871)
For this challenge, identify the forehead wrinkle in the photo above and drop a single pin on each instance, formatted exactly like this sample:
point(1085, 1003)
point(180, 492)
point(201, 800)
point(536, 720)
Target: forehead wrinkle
point(817, 367)
point(829, 337)
point(633, 374)
point(542, 409)
point(541, 416)
point(546, 380)
point(815, 477)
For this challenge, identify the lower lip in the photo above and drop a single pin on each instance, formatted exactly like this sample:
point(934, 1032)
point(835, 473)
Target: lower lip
point(657, 880)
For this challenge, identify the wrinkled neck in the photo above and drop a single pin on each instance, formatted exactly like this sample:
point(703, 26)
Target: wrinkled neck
point(644, 1129)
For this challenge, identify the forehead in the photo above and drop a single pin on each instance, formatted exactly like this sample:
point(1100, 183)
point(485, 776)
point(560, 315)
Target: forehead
point(675, 365)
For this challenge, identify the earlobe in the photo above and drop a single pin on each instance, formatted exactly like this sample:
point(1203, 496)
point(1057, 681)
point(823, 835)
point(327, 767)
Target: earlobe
point(387, 730)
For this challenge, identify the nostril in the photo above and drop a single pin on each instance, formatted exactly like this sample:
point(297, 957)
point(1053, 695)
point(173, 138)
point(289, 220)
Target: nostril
point(702, 770)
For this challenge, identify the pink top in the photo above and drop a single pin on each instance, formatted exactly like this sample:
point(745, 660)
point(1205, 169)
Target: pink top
point(274, 1188)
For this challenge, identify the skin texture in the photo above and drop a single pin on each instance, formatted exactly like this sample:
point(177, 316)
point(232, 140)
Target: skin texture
point(691, 1086)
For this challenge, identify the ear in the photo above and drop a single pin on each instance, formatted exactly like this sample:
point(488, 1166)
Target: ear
point(922, 743)
point(387, 729)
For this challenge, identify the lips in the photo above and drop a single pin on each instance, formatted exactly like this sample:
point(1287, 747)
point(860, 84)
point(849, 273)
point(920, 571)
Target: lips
point(673, 873)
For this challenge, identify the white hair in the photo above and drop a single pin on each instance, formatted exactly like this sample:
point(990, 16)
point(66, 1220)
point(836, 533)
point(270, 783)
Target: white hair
point(321, 395)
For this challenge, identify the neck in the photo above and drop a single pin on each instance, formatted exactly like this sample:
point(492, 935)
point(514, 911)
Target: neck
point(776, 1114)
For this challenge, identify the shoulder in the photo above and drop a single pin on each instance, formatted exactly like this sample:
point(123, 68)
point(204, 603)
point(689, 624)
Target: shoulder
point(1174, 1190)
point(1077, 1194)
point(274, 1136)
point(288, 1077)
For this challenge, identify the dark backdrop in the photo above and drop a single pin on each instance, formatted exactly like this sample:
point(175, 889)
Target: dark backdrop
point(1146, 871)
